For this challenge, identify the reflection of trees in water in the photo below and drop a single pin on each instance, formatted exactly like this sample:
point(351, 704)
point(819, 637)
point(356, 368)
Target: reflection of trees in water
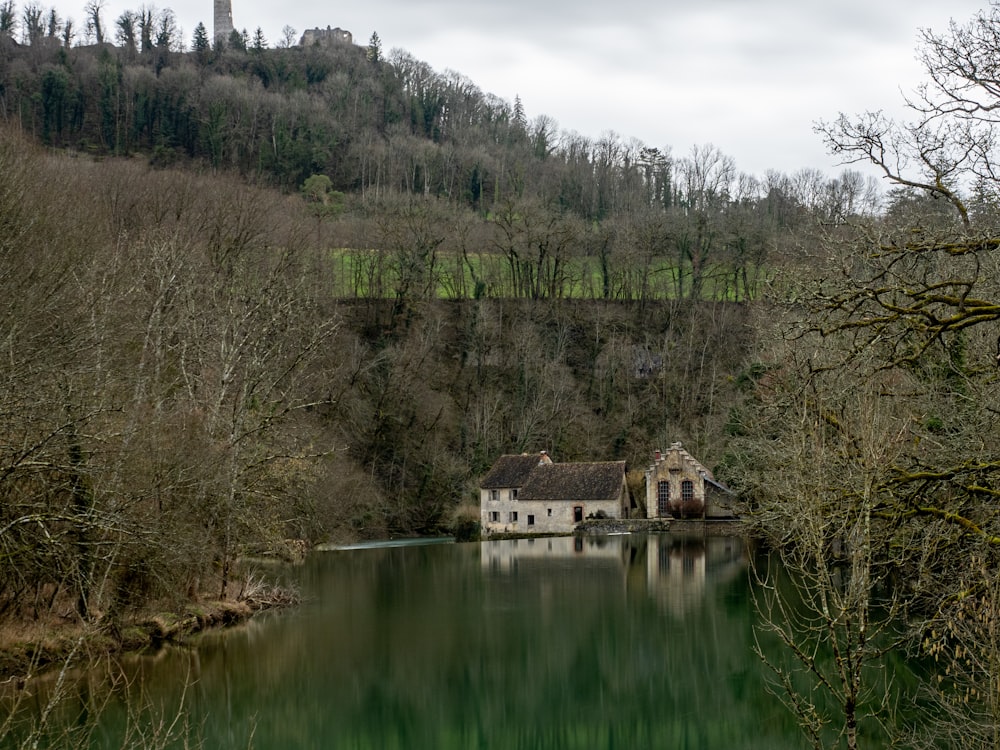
point(143, 700)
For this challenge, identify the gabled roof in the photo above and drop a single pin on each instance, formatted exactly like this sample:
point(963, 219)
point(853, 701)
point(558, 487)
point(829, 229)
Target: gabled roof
point(575, 481)
point(509, 471)
point(678, 459)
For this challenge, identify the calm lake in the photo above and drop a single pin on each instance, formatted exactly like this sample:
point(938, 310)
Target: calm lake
point(606, 642)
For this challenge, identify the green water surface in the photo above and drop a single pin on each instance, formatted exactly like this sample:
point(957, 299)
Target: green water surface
point(609, 642)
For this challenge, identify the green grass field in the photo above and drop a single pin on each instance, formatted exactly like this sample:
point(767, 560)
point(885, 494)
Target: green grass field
point(369, 274)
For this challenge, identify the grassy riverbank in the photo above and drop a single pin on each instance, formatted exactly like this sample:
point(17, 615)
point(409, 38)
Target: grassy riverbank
point(31, 648)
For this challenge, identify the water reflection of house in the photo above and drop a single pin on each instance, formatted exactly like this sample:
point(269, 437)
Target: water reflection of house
point(680, 569)
point(677, 571)
point(566, 576)
point(507, 555)
point(531, 494)
point(679, 486)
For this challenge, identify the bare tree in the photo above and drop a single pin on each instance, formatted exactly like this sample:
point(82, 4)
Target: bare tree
point(288, 36)
point(8, 17)
point(903, 309)
point(705, 182)
point(837, 430)
point(166, 29)
point(32, 23)
point(950, 144)
point(93, 9)
point(537, 241)
point(126, 33)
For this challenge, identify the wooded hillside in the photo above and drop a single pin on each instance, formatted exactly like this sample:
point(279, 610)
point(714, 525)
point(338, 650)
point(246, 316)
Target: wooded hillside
point(384, 130)
point(181, 388)
point(252, 293)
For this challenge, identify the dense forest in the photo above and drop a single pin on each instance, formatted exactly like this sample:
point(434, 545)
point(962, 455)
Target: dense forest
point(252, 294)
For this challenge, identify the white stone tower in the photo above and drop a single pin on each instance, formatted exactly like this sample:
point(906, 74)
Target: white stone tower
point(223, 19)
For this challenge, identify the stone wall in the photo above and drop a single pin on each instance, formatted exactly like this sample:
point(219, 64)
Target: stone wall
point(325, 37)
point(624, 526)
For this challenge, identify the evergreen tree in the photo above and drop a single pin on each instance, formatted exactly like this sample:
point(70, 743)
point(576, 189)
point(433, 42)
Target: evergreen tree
point(55, 24)
point(375, 48)
point(237, 40)
point(200, 44)
point(146, 29)
point(259, 42)
point(520, 119)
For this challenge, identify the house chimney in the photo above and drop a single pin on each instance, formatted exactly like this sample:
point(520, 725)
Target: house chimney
point(656, 456)
point(543, 458)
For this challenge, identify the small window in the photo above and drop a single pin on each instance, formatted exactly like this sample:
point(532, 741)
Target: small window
point(577, 513)
point(513, 494)
point(513, 516)
point(531, 520)
point(495, 516)
point(494, 495)
point(550, 512)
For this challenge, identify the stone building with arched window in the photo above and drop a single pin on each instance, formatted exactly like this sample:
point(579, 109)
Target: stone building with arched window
point(679, 486)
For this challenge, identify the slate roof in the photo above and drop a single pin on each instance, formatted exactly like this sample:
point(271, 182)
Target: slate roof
point(509, 471)
point(575, 481)
point(718, 485)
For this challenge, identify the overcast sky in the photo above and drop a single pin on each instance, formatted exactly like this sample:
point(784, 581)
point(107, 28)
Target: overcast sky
point(748, 76)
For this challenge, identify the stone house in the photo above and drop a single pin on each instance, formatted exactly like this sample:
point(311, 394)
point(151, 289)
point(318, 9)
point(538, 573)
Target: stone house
point(529, 494)
point(678, 486)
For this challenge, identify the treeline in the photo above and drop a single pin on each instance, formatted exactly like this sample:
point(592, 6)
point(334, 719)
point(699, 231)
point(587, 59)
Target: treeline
point(372, 123)
point(380, 127)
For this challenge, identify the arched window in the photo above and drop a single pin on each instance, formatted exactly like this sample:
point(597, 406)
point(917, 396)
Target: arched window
point(663, 498)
